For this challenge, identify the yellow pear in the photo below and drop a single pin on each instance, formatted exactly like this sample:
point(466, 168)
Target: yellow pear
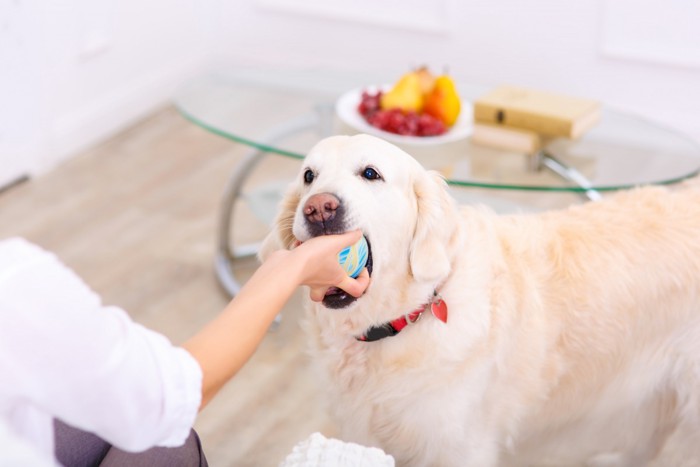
point(406, 94)
point(443, 101)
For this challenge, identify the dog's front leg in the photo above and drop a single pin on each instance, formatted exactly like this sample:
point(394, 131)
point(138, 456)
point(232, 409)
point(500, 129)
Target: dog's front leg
point(478, 449)
point(484, 456)
point(484, 452)
point(454, 449)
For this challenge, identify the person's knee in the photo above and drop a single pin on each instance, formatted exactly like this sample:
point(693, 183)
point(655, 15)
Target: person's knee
point(189, 454)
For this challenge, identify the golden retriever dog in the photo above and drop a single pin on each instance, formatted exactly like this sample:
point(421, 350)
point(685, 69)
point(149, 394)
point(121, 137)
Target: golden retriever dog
point(561, 338)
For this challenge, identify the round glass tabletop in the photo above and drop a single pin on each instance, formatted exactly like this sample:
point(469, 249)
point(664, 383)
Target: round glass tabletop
point(267, 110)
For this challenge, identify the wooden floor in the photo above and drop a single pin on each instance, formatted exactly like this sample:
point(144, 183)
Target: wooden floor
point(136, 217)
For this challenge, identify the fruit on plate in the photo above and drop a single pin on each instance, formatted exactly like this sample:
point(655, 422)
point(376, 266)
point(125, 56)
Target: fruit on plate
point(397, 121)
point(418, 104)
point(443, 101)
point(406, 94)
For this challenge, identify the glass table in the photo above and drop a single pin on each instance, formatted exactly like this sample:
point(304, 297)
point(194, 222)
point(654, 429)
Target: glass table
point(285, 113)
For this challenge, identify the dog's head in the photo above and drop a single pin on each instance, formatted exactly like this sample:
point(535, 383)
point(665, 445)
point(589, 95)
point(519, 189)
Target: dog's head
point(362, 182)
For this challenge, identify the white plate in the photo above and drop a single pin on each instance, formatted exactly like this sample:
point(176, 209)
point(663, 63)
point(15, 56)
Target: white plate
point(346, 108)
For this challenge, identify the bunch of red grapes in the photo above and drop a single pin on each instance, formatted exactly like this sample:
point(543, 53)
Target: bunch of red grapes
point(396, 120)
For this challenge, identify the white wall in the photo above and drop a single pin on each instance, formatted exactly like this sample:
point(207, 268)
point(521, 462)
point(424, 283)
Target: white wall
point(75, 71)
point(595, 48)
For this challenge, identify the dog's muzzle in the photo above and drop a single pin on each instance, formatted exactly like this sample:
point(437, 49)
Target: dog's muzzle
point(324, 214)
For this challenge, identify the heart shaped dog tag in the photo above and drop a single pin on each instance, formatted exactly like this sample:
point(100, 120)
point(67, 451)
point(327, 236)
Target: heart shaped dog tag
point(439, 309)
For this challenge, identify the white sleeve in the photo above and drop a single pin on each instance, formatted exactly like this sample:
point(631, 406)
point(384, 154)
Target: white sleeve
point(88, 364)
point(18, 451)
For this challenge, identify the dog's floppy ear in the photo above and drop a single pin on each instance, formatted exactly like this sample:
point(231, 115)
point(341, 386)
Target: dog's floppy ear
point(281, 236)
point(435, 225)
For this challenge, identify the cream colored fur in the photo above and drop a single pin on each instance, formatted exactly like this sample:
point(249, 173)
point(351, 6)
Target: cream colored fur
point(573, 337)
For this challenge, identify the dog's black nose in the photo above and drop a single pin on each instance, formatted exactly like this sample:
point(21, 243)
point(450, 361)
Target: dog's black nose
point(321, 208)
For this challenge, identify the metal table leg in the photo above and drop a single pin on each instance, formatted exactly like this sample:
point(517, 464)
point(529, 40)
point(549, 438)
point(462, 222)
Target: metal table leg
point(544, 159)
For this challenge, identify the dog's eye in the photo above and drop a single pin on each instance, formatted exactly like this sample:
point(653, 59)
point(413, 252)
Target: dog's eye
point(370, 173)
point(309, 176)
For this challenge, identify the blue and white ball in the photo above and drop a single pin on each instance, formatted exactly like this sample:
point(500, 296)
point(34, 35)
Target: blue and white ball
point(354, 258)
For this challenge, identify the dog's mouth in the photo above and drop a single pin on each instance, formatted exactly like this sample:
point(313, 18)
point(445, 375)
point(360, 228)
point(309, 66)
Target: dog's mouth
point(337, 298)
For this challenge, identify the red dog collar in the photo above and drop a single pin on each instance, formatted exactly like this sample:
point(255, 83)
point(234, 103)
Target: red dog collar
point(438, 308)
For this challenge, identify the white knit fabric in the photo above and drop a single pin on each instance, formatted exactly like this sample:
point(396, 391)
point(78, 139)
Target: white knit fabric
point(319, 451)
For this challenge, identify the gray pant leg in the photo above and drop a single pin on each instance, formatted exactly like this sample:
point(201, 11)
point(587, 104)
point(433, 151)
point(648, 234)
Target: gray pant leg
point(189, 454)
point(77, 448)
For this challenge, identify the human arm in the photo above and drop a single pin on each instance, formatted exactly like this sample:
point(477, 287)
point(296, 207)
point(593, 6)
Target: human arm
point(224, 345)
point(64, 354)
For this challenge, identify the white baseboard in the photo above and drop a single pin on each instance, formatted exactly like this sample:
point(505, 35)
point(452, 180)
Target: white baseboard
point(13, 169)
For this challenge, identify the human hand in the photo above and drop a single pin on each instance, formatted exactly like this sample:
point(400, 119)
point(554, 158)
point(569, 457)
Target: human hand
point(247, 317)
point(321, 269)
